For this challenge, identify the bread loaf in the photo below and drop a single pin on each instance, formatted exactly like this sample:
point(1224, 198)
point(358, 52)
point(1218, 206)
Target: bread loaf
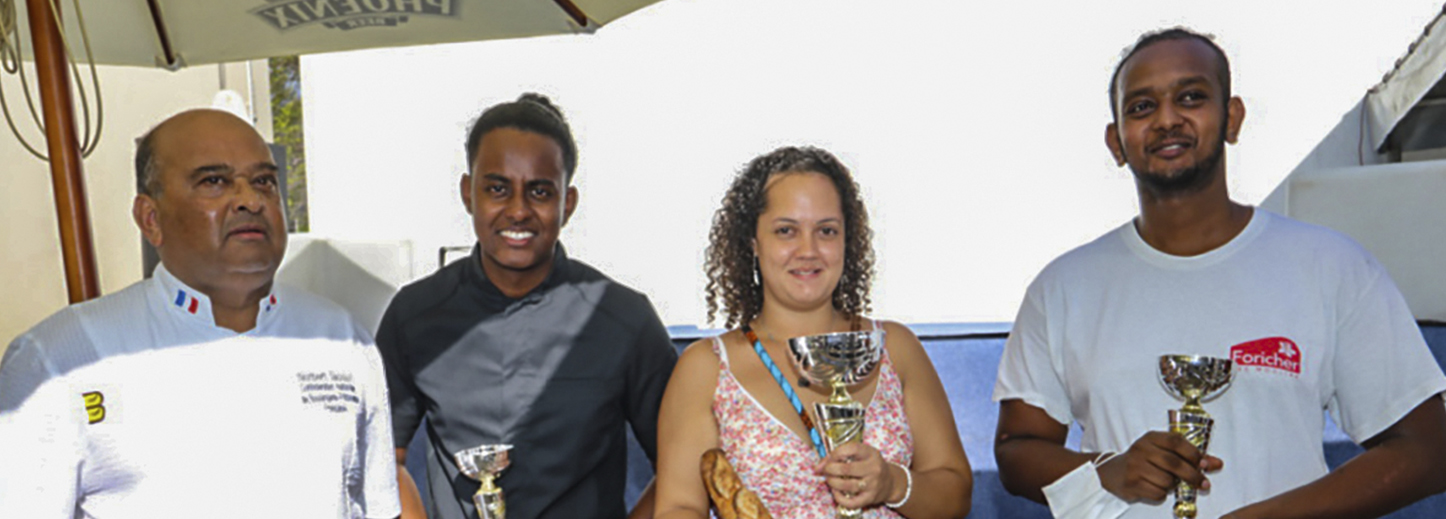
point(730, 499)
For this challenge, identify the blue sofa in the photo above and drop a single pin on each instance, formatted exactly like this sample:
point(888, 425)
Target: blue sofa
point(967, 358)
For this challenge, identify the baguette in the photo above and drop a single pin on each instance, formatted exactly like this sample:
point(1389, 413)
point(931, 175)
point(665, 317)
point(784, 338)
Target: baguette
point(730, 499)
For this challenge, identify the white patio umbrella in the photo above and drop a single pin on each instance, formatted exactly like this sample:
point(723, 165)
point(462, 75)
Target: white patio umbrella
point(179, 33)
point(176, 33)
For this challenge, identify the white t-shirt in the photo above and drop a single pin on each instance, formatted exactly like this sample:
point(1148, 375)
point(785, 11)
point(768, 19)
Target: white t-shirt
point(1310, 320)
point(136, 405)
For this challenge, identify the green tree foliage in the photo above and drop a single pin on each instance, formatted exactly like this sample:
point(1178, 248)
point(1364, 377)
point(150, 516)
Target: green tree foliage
point(286, 125)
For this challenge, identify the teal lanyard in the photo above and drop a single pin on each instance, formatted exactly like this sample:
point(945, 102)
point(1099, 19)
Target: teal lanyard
point(787, 390)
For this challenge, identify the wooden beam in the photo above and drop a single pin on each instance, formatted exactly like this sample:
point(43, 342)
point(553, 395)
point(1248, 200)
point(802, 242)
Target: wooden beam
point(71, 209)
point(573, 11)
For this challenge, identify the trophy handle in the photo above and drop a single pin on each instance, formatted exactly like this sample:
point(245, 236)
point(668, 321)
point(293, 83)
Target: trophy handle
point(841, 423)
point(1196, 429)
point(490, 504)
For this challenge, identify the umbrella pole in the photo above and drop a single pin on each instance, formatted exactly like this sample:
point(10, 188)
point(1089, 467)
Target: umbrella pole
point(71, 211)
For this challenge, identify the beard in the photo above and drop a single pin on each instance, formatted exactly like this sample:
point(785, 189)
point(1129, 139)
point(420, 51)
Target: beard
point(1184, 181)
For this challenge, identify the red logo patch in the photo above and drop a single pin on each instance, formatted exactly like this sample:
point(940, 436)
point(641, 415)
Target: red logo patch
point(1269, 353)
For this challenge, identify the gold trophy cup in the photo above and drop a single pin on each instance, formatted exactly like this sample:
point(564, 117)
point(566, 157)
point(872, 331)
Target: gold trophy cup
point(838, 360)
point(483, 463)
point(1194, 379)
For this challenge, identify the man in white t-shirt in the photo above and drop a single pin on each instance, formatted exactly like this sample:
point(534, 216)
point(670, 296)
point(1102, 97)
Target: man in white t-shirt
point(1310, 320)
point(206, 390)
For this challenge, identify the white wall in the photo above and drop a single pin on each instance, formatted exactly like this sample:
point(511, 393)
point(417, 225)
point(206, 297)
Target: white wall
point(361, 276)
point(976, 130)
point(1342, 147)
point(1395, 211)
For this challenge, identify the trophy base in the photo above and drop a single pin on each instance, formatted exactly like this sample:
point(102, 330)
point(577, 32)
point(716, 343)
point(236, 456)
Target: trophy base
point(1195, 427)
point(840, 423)
point(490, 504)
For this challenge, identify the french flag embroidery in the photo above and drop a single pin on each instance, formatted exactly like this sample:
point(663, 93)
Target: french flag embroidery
point(187, 302)
point(270, 302)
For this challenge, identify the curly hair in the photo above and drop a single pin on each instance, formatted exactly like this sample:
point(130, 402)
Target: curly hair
point(733, 289)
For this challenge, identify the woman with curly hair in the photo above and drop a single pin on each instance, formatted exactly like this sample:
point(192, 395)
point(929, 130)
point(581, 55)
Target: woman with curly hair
point(790, 254)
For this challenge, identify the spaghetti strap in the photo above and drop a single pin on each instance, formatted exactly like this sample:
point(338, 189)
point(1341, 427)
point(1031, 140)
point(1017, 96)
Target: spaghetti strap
point(721, 350)
point(883, 351)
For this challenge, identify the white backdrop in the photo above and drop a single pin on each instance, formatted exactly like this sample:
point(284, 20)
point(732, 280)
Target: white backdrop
point(975, 128)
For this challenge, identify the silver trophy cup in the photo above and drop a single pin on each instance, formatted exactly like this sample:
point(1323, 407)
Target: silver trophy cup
point(838, 360)
point(483, 463)
point(1194, 379)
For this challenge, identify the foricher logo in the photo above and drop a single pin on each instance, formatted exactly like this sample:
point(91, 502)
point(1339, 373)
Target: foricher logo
point(94, 406)
point(1277, 353)
point(350, 14)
